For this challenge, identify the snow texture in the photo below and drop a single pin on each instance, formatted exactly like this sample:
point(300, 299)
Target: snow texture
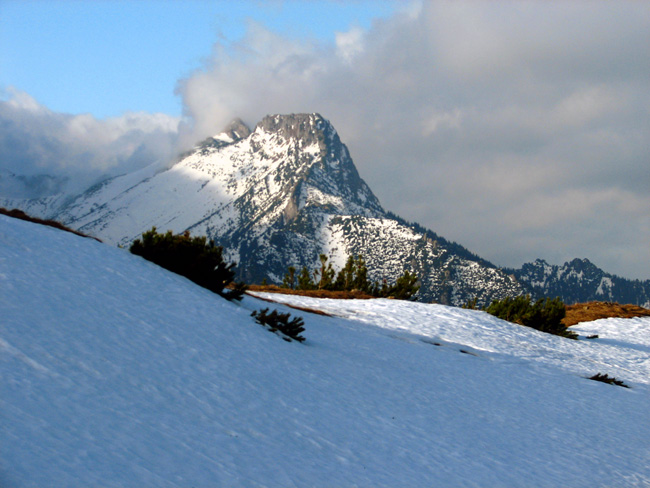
point(115, 372)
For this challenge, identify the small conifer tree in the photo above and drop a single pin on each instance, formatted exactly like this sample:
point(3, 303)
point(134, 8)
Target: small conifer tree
point(196, 258)
point(289, 280)
point(360, 281)
point(405, 287)
point(277, 322)
point(326, 274)
point(304, 280)
point(353, 276)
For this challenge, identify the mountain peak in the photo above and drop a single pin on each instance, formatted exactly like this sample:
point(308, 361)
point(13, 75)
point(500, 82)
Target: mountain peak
point(235, 131)
point(580, 263)
point(311, 165)
point(309, 128)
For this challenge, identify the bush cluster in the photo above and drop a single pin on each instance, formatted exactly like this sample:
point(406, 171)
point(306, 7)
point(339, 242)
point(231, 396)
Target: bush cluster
point(196, 258)
point(544, 314)
point(277, 322)
point(606, 379)
point(353, 276)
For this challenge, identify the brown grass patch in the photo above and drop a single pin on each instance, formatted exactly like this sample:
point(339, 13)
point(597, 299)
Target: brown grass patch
point(586, 312)
point(19, 214)
point(342, 295)
point(302, 309)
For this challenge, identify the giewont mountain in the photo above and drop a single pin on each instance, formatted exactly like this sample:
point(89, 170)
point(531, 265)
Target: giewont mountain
point(276, 196)
point(280, 195)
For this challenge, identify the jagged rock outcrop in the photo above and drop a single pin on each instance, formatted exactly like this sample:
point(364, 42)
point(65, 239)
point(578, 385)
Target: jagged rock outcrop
point(237, 130)
point(581, 281)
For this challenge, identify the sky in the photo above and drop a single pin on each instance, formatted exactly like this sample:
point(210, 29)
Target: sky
point(517, 129)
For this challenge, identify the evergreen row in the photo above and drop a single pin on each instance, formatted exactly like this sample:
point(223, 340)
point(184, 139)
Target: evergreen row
point(353, 276)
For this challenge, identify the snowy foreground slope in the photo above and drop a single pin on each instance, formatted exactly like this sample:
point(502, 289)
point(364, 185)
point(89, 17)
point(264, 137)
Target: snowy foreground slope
point(115, 372)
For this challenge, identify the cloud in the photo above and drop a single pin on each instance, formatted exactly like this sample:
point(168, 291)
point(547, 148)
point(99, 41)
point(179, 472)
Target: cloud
point(35, 141)
point(349, 44)
point(516, 128)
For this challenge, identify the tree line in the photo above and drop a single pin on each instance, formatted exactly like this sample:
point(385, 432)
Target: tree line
point(200, 260)
point(353, 276)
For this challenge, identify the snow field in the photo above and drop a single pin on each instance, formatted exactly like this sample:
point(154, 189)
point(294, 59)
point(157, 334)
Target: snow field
point(623, 347)
point(115, 372)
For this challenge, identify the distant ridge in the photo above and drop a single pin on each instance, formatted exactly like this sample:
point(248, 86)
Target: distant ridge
point(580, 281)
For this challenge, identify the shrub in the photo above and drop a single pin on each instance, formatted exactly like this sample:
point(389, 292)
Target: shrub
point(279, 322)
point(404, 288)
point(606, 379)
point(196, 258)
point(544, 315)
point(471, 304)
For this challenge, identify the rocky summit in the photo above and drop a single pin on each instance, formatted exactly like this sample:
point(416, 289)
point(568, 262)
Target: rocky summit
point(278, 196)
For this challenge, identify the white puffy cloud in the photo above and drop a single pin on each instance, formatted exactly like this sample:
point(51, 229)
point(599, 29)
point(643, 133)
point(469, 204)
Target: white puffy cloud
point(80, 148)
point(349, 44)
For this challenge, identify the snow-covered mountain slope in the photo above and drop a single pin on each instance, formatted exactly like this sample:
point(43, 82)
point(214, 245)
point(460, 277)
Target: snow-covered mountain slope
point(581, 281)
point(227, 186)
point(115, 372)
point(279, 196)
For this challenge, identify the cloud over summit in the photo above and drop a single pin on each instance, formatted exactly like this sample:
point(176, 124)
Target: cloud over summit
point(517, 128)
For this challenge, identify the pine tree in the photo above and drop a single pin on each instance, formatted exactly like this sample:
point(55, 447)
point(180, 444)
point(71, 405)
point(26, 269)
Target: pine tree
point(405, 286)
point(326, 274)
point(345, 277)
point(289, 280)
point(304, 280)
point(360, 281)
